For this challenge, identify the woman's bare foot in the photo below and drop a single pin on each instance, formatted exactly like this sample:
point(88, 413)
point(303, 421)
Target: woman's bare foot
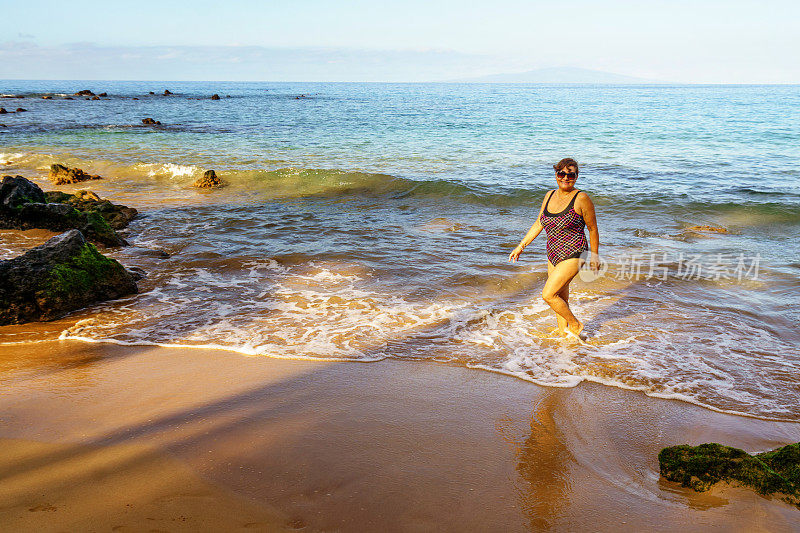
point(577, 329)
point(558, 332)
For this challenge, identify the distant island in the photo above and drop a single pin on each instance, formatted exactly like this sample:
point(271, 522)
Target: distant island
point(556, 75)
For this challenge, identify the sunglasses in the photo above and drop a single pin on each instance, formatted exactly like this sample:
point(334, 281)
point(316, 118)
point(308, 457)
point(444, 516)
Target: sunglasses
point(570, 175)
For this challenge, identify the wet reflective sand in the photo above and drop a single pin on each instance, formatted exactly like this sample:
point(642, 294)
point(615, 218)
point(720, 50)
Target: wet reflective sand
point(98, 435)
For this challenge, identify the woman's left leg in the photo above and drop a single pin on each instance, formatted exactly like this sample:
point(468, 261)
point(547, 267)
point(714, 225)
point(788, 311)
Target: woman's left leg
point(564, 293)
point(558, 279)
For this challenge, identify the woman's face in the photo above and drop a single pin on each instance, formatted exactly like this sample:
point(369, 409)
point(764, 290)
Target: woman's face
point(566, 177)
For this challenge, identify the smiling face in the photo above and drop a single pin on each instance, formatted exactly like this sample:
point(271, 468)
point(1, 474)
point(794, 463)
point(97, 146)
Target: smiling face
point(566, 177)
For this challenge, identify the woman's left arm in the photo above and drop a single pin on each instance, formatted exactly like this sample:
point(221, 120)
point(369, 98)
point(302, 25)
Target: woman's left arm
point(585, 208)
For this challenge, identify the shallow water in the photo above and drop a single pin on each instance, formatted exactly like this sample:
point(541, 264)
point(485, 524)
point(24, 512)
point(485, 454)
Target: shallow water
point(366, 221)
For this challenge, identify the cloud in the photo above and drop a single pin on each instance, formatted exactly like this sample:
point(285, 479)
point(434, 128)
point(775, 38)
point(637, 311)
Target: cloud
point(85, 60)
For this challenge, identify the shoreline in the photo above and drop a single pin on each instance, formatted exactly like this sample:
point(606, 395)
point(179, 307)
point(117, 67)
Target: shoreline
point(479, 367)
point(309, 445)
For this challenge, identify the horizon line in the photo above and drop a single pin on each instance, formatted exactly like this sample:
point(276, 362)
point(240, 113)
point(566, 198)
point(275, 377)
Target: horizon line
point(442, 82)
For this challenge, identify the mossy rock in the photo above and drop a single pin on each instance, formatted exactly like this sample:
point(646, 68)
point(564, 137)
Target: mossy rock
point(23, 206)
point(78, 274)
point(61, 275)
point(117, 216)
point(701, 467)
point(96, 227)
point(57, 196)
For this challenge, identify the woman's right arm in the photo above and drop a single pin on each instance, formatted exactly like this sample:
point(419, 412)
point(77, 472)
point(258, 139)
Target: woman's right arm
point(534, 232)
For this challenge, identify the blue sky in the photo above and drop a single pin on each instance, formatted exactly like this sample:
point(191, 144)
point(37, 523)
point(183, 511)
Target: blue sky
point(682, 41)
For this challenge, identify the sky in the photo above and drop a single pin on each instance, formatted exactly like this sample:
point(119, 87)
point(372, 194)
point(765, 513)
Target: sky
point(697, 41)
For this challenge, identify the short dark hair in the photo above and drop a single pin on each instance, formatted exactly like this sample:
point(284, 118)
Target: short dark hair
point(566, 162)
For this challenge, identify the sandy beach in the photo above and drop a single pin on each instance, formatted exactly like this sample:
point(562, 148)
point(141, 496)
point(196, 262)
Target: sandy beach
point(102, 437)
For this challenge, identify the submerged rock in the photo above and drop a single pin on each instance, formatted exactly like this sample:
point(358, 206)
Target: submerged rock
point(61, 275)
point(137, 273)
point(700, 467)
point(709, 229)
point(85, 92)
point(3, 111)
point(151, 121)
point(215, 97)
point(103, 94)
point(60, 175)
point(21, 110)
point(23, 206)
point(167, 92)
point(209, 180)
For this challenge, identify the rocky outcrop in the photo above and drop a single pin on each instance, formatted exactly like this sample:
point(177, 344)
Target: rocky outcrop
point(103, 94)
point(3, 111)
point(15, 192)
point(700, 467)
point(151, 122)
point(167, 92)
point(85, 92)
point(60, 175)
point(23, 206)
point(215, 97)
point(61, 275)
point(117, 216)
point(21, 110)
point(209, 180)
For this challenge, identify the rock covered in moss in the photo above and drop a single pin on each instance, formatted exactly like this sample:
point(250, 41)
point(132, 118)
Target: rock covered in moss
point(118, 216)
point(60, 175)
point(23, 206)
point(61, 275)
point(209, 180)
point(700, 467)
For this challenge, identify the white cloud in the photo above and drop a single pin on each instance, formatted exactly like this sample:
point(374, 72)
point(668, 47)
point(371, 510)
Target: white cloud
point(25, 60)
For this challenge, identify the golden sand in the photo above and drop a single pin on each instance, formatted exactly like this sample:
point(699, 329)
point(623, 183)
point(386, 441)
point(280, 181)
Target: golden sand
point(99, 437)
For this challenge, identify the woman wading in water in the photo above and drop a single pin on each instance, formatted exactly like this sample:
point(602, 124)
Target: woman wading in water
point(564, 213)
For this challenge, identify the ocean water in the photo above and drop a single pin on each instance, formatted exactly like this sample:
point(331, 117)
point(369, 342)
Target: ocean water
point(366, 221)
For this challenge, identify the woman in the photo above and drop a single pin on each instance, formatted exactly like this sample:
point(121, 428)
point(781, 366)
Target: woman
point(563, 214)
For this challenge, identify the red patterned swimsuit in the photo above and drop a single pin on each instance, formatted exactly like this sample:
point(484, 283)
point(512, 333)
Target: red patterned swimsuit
point(565, 237)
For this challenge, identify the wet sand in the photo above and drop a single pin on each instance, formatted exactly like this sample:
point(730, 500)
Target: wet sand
point(100, 437)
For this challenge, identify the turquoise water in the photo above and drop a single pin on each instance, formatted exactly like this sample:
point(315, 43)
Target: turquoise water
point(364, 221)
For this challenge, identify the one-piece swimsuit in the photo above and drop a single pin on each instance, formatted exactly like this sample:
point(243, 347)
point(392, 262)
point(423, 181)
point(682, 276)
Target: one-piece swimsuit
point(565, 237)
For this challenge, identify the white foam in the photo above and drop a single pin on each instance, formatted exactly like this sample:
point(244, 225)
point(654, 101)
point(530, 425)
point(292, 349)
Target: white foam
point(329, 311)
point(172, 170)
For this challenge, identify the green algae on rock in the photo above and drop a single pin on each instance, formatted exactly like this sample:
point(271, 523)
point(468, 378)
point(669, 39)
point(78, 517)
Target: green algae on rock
point(61, 275)
point(23, 206)
point(117, 216)
point(700, 467)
